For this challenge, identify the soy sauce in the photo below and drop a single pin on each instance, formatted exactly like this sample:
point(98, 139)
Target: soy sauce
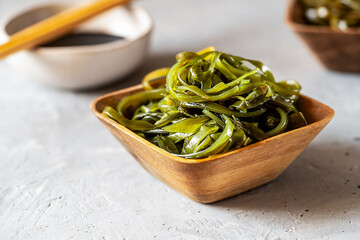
point(83, 39)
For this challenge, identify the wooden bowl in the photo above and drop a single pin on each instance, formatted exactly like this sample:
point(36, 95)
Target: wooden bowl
point(224, 175)
point(336, 49)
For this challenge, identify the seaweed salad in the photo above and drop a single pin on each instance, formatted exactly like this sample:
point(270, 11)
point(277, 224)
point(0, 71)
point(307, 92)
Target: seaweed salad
point(338, 14)
point(211, 103)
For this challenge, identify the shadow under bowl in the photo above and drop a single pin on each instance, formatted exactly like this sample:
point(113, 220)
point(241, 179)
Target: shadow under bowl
point(221, 176)
point(337, 50)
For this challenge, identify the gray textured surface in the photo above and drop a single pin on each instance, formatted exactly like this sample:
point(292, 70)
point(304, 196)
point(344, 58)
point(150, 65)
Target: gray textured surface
point(63, 176)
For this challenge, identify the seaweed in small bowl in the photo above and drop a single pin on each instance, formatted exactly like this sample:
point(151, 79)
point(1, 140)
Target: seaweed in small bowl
point(235, 165)
point(337, 48)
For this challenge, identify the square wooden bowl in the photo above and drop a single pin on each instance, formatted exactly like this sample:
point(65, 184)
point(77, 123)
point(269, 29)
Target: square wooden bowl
point(336, 49)
point(224, 175)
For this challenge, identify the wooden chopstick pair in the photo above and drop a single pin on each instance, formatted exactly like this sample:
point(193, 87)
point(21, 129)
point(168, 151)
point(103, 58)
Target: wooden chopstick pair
point(55, 26)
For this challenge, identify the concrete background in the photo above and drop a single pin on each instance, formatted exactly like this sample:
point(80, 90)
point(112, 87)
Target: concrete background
point(63, 176)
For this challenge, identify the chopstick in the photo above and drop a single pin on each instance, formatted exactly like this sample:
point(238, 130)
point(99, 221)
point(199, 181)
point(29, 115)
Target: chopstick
point(55, 26)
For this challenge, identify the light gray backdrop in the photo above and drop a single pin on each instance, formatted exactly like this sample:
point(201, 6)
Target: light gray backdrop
point(63, 176)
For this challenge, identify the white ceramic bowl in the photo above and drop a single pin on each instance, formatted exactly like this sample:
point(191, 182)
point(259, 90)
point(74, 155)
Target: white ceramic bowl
point(80, 67)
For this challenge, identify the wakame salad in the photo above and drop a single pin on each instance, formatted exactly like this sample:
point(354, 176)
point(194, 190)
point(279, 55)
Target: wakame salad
point(211, 103)
point(339, 14)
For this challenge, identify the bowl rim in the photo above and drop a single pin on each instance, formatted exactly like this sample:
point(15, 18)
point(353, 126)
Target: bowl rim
point(104, 47)
point(216, 157)
point(299, 27)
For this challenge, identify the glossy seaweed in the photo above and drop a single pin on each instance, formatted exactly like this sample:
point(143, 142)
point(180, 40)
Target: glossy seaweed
point(212, 103)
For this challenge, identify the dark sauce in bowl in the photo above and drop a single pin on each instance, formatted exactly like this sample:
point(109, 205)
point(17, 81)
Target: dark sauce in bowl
point(83, 39)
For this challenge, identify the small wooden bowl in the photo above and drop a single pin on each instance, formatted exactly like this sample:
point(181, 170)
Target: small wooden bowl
point(337, 50)
point(224, 175)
